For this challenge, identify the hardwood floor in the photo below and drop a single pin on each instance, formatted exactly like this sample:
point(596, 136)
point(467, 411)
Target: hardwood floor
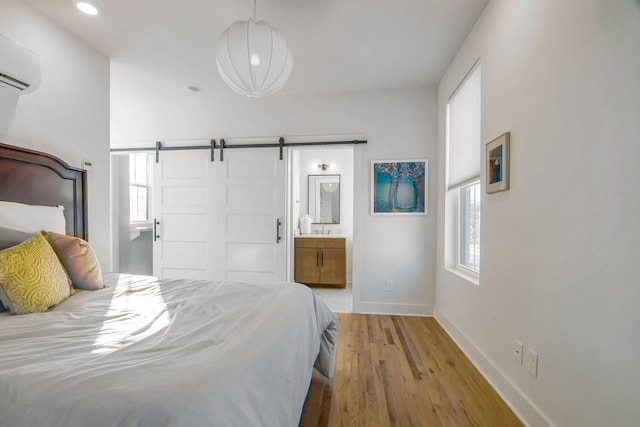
point(402, 371)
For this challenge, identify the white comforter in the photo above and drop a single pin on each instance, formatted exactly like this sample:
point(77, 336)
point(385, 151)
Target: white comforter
point(145, 352)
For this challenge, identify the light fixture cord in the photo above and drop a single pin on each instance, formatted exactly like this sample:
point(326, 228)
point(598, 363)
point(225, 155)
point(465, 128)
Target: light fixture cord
point(254, 10)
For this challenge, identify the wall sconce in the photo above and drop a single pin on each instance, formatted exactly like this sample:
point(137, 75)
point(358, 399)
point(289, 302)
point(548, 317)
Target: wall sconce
point(324, 166)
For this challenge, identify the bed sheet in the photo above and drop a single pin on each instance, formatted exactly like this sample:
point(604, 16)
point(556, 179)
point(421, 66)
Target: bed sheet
point(149, 352)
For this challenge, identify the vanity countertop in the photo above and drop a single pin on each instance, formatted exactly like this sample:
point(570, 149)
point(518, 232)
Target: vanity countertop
point(321, 236)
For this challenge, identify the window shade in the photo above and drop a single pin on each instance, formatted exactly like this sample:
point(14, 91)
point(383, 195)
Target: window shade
point(464, 124)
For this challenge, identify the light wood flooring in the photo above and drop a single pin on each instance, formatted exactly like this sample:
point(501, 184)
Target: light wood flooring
point(402, 371)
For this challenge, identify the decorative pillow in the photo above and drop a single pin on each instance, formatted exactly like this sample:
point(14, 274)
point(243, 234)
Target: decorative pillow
point(32, 218)
point(32, 279)
point(10, 237)
point(79, 259)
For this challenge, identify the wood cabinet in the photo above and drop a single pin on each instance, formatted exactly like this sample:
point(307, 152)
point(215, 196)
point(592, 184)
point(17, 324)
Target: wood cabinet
point(321, 261)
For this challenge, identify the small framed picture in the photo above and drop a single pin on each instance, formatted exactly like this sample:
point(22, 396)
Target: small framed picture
point(498, 164)
point(399, 187)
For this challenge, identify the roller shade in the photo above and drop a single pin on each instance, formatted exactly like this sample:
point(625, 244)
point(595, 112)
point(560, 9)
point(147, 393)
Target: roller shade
point(464, 137)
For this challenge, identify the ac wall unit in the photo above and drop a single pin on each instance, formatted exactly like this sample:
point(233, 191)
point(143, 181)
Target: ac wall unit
point(19, 67)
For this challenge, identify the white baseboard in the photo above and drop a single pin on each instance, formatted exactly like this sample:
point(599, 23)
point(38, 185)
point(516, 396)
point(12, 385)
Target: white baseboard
point(528, 413)
point(393, 309)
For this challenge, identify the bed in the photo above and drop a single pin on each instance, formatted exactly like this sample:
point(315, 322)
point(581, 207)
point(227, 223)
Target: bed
point(155, 352)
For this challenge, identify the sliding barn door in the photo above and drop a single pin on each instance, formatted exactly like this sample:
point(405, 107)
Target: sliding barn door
point(251, 215)
point(220, 220)
point(183, 206)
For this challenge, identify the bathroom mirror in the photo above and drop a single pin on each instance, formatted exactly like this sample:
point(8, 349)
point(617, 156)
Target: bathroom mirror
point(324, 199)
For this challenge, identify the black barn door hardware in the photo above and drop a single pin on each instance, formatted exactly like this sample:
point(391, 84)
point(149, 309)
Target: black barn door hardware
point(278, 224)
point(223, 145)
point(156, 223)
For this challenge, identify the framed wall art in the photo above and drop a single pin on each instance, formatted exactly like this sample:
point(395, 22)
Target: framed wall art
point(399, 187)
point(497, 170)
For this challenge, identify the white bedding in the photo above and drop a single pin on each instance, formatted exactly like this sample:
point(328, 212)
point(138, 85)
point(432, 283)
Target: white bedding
point(145, 352)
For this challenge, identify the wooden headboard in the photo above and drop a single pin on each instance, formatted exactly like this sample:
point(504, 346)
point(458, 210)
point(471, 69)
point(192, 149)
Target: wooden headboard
point(36, 178)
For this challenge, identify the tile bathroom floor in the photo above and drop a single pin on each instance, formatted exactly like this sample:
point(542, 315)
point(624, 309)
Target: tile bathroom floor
point(338, 299)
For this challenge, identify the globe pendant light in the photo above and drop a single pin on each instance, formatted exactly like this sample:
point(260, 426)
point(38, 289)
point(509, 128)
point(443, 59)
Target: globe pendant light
point(253, 57)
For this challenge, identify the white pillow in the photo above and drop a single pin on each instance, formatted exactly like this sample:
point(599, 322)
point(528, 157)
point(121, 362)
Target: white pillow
point(32, 218)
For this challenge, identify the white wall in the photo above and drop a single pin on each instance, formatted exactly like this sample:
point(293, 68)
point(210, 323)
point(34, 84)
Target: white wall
point(68, 115)
point(398, 124)
point(560, 248)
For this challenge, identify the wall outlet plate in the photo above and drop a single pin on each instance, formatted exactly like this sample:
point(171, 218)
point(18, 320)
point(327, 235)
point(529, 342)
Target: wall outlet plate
point(390, 286)
point(532, 362)
point(517, 351)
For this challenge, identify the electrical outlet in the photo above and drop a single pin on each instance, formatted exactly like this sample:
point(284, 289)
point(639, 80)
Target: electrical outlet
point(517, 351)
point(391, 286)
point(532, 362)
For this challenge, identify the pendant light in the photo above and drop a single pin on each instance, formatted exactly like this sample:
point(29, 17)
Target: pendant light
point(253, 57)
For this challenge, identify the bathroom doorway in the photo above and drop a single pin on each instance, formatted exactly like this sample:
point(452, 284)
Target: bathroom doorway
point(132, 189)
point(327, 174)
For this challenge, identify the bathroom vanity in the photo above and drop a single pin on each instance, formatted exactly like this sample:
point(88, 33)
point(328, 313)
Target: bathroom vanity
point(321, 260)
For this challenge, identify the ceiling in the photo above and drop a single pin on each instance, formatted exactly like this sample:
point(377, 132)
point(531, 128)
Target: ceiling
point(337, 45)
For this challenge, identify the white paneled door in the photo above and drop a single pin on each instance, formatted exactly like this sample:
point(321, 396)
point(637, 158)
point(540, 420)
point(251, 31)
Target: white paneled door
point(220, 220)
point(182, 207)
point(251, 212)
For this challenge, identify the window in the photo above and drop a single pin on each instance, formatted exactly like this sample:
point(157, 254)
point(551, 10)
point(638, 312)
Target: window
point(469, 227)
point(462, 203)
point(139, 189)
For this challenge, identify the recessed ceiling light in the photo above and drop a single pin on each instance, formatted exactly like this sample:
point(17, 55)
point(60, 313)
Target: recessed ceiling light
point(87, 8)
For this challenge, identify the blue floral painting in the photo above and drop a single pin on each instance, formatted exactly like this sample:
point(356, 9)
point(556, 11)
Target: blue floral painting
point(399, 187)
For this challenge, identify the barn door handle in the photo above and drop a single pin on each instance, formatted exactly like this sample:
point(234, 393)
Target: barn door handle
point(278, 224)
point(156, 223)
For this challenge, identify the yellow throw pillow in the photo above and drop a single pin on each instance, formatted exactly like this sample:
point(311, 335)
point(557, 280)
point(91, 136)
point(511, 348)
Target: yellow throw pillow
point(32, 279)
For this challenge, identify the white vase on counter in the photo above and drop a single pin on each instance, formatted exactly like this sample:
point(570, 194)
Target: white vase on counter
point(305, 224)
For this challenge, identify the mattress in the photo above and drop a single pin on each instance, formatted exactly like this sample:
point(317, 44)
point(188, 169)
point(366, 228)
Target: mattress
point(149, 352)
